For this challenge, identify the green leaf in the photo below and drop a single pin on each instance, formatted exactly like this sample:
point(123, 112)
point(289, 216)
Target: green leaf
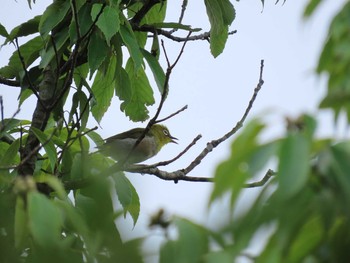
point(85, 23)
point(29, 51)
point(24, 95)
point(191, 245)
point(97, 51)
point(49, 54)
point(156, 14)
point(103, 89)
point(12, 154)
point(3, 31)
point(53, 15)
point(221, 13)
point(308, 237)
point(108, 22)
point(25, 29)
point(131, 43)
point(311, 7)
point(95, 137)
point(141, 94)
point(123, 86)
point(57, 186)
point(80, 99)
point(21, 224)
point(294, 164)
point(218, 256)
point(77, 167)
point(127, 196)
point(45, 221)
point(48, 146)
point(231, 174)
point(157, 70)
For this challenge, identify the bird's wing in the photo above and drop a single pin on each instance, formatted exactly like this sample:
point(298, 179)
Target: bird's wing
point(133, 134)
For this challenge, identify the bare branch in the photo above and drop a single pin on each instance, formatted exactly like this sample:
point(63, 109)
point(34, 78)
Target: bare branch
point(194, 141)
point(173, 114)
point(263, 181)
point(8, 82)
point(169, 34)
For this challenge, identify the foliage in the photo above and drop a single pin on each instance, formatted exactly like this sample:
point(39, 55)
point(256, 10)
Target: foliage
point(57, 201)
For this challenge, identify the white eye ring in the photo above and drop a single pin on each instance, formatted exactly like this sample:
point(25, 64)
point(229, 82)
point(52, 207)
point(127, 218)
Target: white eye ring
point(166, 133)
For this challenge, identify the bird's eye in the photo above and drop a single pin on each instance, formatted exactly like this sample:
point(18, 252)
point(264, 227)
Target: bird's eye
point(166, 133)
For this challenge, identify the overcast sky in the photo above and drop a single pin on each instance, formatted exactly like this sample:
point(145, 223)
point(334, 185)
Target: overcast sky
point(217, 91)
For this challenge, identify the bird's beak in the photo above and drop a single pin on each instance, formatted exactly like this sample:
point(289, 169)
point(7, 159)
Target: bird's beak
point(173, 139)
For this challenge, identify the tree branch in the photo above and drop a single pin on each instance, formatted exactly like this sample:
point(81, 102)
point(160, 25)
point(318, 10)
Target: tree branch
point(39, 121)
point(181, 174)
point(169, 34)
point(8, 82)
point(144, 10)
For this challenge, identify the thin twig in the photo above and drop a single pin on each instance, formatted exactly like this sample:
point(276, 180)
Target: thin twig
point(263, 181)
point(2, 112)
point(173, 114)
point(169, 35)
point(31, 86)
point(163, 163)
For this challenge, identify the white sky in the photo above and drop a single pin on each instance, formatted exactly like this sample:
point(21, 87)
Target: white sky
point(216, 91)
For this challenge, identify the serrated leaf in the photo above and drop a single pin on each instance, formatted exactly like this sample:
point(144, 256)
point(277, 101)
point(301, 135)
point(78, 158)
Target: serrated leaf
point(29, 52)
point(45, 221)
point(141, 94)
point(108, 22)
point(131, 43)
point(103, 89)
point(25, 29)
point(85, 23)
point(48, 146)
point(127, 196)
point(53, 15)
point(97, 51)
point(158, 73)
point(47, 55)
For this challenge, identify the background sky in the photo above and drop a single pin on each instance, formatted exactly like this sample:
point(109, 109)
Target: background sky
point(217, 92)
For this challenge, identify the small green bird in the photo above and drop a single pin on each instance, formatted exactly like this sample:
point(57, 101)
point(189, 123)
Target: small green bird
point(119, 146)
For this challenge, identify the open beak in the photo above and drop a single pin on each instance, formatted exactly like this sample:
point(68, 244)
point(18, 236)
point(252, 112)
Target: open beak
point(173, 139)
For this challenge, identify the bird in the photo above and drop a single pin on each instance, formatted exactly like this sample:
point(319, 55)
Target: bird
point(120, 147)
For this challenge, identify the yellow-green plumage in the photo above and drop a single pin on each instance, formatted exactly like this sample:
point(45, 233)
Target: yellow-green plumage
point(119, 146)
